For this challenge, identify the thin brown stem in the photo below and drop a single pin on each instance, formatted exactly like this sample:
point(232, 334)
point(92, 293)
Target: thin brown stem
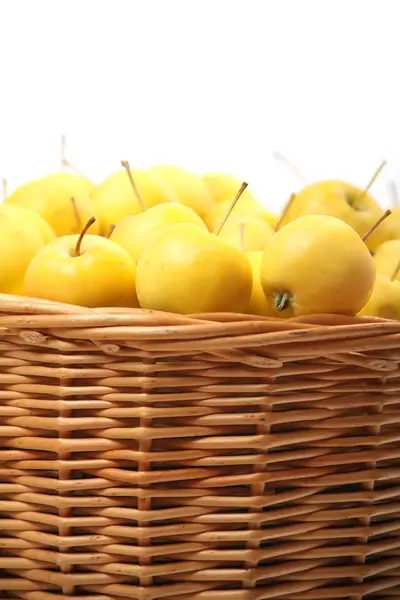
point(232, 206)
point(285, 211)
point(110, 231)
point(74, 169)
point(395, 272)
point(76, 213)
point(394, 192)
point(372, 180)
point(63, 150)
point(379, 221)
point(3, 189)
point(65, 163)
point(127, 168)
point(82, 235)
point(291, 167)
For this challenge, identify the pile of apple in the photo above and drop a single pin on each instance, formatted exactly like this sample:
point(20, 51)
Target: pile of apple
point(166, 239)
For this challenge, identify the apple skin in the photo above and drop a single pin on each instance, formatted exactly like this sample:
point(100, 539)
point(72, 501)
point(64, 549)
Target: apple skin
point(387, 258)
point(134, 233)
point(189, 270)
point(30, 218)
point(258, 304)
point(225, 187)
point(385, 299)
point(341, 200)
point(317, 265)
point(115, 199)
point(102, 275)
point(188, 189)
point(388, 230)
point(245, 207)
point(20, 242)
point(51, 196)
point(256, 233)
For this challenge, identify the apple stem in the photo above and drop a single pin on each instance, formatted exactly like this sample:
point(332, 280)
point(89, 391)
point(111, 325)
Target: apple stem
point(82, 234)
point(65, 162)
point(74, 169)
point(291, 167)
point(110, 231)
point(395, 272)
point(372, 180)
point(63, 150)
point(3, 189)
point(285, 211)
point(282, 300)
point(127, 168)
point(232, 206)
point(241, 233)
point(76, 213)
point(379, 221)
point(394, 193)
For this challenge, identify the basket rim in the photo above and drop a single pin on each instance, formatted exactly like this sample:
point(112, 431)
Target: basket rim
point(25, 305)
point(24, 313)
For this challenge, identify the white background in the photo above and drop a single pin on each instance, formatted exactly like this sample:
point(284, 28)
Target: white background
point(207, 84)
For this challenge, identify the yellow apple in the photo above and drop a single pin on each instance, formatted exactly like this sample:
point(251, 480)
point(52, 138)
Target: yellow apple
point(388, 230)
point(244, 207)
point(136, 232)
point(88, 271)
point(387, 258)
point(317, 264)
point(51, 196)
point(248, 233)
point(115, 198)
point(188, 270)
point(29, 218)
point(188, 188)
point(385, 299)
point(258, 304)
point(19, 243)
point(224, 187)
point(342, 200)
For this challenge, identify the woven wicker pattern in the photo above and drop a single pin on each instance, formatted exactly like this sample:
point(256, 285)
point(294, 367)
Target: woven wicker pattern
point(219, 457)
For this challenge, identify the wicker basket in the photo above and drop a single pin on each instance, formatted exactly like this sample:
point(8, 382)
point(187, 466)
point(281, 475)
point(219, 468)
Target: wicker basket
point(220, 457)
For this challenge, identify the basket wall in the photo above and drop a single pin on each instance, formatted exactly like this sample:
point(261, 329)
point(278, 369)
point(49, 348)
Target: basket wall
point(152, 456)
